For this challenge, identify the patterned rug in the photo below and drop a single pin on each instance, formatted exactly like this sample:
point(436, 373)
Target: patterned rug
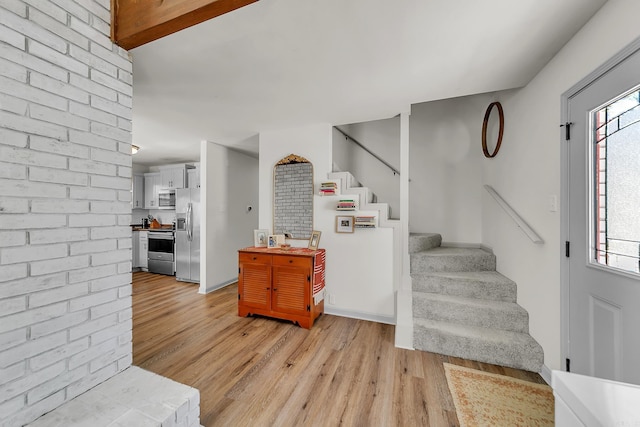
point(485, 399)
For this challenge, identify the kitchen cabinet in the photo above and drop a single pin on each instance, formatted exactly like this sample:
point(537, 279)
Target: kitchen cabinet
point(140, 250)
point(135, 249)
point(151, 186)
point(137, 195)
point(285, 284)
point(193, 178)
point(172, 177)
point(143, 252)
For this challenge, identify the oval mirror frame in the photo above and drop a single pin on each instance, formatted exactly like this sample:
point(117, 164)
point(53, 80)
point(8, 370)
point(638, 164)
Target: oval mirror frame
point(485, 125)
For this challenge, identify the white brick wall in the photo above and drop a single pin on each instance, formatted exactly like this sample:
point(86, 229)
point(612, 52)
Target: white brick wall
point(65, 171)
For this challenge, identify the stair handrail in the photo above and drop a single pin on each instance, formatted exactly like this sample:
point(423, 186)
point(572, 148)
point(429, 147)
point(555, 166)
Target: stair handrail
point(531, 234)
point(359, 144)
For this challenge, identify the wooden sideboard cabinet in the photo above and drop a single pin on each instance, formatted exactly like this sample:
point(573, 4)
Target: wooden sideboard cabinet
point(285, 284)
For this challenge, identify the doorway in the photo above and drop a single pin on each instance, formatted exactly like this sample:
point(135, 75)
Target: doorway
point(601, 221)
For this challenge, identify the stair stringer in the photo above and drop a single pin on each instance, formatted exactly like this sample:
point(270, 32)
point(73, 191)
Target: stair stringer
point(348, 185)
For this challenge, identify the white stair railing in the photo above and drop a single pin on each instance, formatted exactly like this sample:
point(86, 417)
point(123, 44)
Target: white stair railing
point(531, 234)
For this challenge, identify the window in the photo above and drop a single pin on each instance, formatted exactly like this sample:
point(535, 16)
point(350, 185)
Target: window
point(616, 183)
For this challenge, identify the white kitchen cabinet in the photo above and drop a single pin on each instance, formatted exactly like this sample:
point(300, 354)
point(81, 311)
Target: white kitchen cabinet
point(172, 177)
point(140, 250)
point(135, 250)
point(193, 178)
point(143, 252)
point(137, 197)
point(151, 186)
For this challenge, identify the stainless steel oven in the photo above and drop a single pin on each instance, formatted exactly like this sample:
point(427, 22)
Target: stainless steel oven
point(161, 252)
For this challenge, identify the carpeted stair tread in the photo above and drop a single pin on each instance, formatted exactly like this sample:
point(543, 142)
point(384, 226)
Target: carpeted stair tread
point(507, 316)
point(489, 285)
point(452, 259)
point(505, 348)
point(423, 241)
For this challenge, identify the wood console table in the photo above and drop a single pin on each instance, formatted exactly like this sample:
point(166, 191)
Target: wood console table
point(285, 284)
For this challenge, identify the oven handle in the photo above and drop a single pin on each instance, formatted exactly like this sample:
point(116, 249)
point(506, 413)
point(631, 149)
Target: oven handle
point(160, 236)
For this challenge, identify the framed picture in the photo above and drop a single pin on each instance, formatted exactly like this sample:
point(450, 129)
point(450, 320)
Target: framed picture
point(314, 241)
point(275, 240)
point(344, 224)
point(260, 238)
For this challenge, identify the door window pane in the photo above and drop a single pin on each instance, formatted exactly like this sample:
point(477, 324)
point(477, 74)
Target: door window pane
point(616, 183)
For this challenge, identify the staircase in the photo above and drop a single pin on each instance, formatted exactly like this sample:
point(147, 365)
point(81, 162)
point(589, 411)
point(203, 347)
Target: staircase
point(367, 199)
point(462, 307)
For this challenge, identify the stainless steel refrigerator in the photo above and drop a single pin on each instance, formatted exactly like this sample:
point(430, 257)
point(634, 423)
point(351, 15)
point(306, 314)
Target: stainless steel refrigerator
point(188, 235)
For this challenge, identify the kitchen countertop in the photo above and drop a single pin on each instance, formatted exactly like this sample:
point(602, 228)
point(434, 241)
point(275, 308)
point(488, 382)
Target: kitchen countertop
point(590, 401)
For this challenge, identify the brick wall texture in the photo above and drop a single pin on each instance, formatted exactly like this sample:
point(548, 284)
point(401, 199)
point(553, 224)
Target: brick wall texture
point(65, 178)
point(293, 200)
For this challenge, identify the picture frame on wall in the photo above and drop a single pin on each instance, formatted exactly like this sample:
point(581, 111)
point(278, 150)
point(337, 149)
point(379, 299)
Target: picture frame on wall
point(344, 224)
point(260, 238)
point(314, 240)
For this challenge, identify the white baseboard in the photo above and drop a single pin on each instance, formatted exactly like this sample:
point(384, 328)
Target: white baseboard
point(216, 287)
point(389, 320)
point(545, 373)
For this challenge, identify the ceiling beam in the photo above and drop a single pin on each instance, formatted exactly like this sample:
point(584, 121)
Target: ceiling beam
point(135, 22)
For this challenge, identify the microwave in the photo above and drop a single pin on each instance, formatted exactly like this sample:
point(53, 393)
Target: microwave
point(167, 199)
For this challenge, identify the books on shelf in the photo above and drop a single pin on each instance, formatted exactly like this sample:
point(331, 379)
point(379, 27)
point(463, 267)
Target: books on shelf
point(328, 188)
point(346, 205)
point(365, 221)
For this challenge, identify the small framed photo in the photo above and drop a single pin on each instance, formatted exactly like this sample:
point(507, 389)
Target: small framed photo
point(344, 224)
point(314, 241)
point(260, 238)
point(275, 240)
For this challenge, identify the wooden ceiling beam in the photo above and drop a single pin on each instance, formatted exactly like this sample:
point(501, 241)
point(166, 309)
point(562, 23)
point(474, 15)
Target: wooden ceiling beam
point(136, 22)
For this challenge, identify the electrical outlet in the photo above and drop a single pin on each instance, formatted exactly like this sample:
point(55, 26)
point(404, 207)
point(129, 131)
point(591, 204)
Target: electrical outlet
point(553, 203)
point(332, 299)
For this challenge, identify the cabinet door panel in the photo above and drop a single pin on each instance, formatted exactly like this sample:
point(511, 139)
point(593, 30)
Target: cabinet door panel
point(290, 289)
point(254, 285)
point(143, 249)
point(151, 191)
point(135, 249)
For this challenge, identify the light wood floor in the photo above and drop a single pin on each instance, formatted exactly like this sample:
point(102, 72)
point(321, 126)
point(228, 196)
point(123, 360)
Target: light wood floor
point(264, 372)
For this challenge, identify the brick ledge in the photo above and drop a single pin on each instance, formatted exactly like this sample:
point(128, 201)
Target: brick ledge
point(134, 397)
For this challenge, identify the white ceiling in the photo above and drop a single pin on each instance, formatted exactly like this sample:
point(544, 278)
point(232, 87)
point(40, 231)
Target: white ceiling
point(285, 63)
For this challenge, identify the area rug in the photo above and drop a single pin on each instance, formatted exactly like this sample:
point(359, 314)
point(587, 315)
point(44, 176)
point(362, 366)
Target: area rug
point(484, 399)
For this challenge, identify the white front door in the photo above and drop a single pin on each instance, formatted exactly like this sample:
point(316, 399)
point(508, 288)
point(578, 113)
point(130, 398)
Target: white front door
point(603, 175)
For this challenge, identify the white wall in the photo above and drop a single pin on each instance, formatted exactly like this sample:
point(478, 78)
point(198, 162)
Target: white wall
point(446, 168)
point(229, 184)
point(383, 138)
point(527, 170)
point(65, 202)
point(360, 265)
point(445, 165)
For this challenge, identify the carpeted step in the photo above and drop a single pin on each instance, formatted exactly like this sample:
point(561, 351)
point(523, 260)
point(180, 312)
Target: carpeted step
point(452, 259)
point(505, 316)
point(505, 348)
point(423, 241)
point(489, 285)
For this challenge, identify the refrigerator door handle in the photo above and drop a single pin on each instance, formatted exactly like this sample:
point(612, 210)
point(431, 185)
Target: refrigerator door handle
point(189, 224)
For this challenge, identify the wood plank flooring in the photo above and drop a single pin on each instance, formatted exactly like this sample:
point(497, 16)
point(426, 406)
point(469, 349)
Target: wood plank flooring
point(265, 372)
